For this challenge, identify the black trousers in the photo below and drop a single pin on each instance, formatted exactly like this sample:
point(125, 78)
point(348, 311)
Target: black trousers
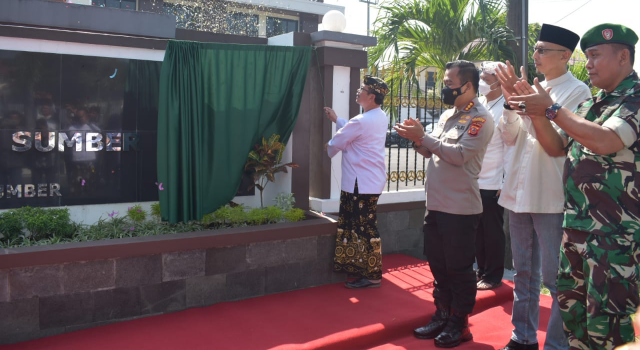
point(449, 243)
point(490, 240)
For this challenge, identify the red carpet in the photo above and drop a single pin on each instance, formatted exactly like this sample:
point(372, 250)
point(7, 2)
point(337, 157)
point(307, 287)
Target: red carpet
point(326, 317)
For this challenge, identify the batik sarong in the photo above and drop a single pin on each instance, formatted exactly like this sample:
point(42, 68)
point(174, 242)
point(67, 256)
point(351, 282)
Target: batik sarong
point(358, 249)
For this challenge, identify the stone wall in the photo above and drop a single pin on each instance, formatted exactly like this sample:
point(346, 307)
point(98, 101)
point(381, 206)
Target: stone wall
point(401, 230)
point(400, 227)
point(45, 300)
point(44, 291)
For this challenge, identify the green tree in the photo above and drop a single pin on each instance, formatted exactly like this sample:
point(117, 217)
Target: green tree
point(534, 33)
point(413, 34)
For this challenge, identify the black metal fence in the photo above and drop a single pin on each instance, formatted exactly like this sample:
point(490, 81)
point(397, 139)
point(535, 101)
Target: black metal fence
point(418, 99)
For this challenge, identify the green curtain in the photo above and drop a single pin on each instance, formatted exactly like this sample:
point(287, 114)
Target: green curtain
point(216, 101)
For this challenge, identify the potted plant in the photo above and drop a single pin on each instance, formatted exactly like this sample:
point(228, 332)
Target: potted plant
point(263, 163)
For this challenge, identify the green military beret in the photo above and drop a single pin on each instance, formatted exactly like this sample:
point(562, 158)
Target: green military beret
point(608, 33)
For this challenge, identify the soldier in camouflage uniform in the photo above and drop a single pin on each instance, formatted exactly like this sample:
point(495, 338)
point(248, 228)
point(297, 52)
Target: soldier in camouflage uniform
point(599, 272)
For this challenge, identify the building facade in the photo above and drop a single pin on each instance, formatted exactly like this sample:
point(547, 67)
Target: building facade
point(79, 91)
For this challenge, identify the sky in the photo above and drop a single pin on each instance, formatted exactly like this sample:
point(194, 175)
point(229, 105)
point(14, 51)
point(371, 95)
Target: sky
point(575, 15)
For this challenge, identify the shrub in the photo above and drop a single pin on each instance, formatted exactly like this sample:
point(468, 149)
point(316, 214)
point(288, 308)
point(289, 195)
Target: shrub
point(10, 225)
point(39, 226)
point(43, 223)
point(256, 216)
point(208, 219)
point(285, 201)
point(273, 214)
point(294, 214)
point(155, 210)
point(238, 216)
point(226, 215)
point(136, 213)
point(220, 216)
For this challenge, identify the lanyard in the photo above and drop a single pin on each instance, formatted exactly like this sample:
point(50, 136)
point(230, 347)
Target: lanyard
point(495, 103)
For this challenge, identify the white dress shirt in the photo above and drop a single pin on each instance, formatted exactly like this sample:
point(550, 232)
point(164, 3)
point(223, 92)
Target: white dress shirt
point(361, 140)
point(533, 180)
point(491, 176)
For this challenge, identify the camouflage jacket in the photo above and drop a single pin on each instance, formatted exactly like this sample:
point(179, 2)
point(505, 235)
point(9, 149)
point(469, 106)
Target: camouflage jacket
point(602, 191)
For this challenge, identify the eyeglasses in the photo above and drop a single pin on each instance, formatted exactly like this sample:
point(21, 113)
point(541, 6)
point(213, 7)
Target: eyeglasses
point(542, 50)
point(362, 88)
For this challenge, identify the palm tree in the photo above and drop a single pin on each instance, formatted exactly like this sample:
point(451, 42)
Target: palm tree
point(429, 33)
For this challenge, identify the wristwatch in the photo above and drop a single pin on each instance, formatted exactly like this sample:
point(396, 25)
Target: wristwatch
point(552, 111)
point(415, 145)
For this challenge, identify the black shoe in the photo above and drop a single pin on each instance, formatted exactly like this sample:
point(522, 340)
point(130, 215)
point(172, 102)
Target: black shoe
point(455, 332)
point(486, 285)
point(513, 345)
point(361, 283)
point(433, 328)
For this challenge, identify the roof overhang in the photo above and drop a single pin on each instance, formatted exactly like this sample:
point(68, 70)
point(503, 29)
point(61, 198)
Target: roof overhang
point(304, 6)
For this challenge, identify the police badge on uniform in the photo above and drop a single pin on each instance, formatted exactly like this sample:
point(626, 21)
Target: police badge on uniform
point(476, 124)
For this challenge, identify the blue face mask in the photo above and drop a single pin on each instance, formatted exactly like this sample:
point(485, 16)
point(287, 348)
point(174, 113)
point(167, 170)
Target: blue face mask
point(450, 95)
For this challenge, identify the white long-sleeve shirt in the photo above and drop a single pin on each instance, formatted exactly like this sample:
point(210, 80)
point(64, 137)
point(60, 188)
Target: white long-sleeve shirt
point(491, 175)
point(361, 140)
point(533, 179)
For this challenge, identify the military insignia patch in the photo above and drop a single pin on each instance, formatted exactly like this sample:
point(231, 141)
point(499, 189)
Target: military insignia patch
point(469, 106)
point(479, 119)
point(463, 121)
point(474, 129)
point(607, 34)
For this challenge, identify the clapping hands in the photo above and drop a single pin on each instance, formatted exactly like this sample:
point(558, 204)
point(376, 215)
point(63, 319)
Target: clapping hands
point(410, 129)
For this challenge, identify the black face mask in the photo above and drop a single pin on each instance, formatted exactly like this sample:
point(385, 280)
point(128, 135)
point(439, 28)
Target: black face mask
point(450, 95)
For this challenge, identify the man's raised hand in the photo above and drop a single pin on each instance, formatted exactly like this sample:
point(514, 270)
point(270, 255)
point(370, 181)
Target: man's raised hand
point(506, 74)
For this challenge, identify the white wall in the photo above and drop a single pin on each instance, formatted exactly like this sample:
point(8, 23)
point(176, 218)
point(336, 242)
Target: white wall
point(60, 47)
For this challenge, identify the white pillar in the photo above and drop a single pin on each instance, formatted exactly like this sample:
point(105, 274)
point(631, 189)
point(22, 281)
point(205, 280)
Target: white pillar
point(340, 101)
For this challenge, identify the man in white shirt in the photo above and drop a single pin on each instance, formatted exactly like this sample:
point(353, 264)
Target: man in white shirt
point(490, 239)
point(361, 140)
point(45, 111)
point(599, 270)
point(533, 191)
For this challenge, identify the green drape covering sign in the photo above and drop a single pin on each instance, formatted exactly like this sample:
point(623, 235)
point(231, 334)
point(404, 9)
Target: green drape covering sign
point(215, 102)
